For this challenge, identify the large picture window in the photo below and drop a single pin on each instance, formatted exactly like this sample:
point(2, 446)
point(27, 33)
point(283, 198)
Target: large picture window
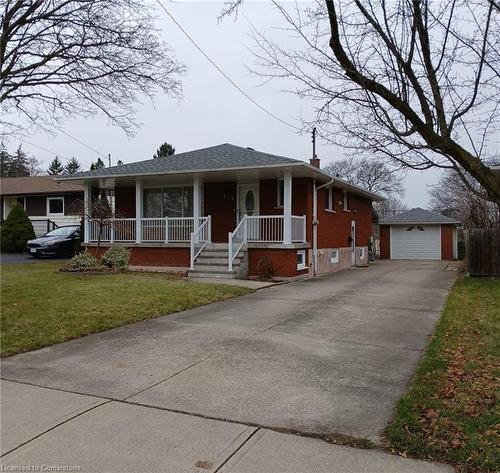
point(168, 202)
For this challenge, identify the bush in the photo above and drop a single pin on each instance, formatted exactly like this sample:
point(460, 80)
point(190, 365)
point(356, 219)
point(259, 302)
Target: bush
point(265, 268)
point(82, 261)
point(16, 231)
point(116, 257)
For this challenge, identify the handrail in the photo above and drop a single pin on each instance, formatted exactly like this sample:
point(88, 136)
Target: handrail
point(240, 235)
point(201, 236)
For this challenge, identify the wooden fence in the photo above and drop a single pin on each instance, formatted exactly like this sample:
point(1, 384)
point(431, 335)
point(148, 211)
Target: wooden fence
point(482, 251)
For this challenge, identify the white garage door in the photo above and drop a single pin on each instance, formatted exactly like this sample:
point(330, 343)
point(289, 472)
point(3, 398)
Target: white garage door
point(415, 242)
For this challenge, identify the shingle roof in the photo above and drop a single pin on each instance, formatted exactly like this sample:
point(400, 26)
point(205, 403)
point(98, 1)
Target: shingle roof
point(225, 156)
point(35, 185)
point(417, 215)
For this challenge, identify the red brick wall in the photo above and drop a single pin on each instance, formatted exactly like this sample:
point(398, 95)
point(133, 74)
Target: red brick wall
point(154, 256)
point(335, 228)
point(385, 242)
point(447, 242)
point(125, 202)
point(284, 262)
point(220, 203)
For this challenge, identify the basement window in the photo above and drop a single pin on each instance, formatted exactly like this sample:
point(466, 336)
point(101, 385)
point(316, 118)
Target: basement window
point(334, 255)
point(301, 259)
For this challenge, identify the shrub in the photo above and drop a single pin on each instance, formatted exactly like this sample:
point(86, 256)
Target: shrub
point(82, 261)
point(265, 268)
point(16, 230)
point(116, 257)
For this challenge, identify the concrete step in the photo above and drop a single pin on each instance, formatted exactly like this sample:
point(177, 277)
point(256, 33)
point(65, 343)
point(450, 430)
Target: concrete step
point(203, 259)
point(218, 246)
point(220, 254)
point(218, 274)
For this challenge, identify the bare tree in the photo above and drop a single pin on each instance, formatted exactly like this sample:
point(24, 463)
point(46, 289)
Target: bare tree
point(64, 58)
point(373, 175)
point(412, 80)
point(389, 206)
point(453, 198)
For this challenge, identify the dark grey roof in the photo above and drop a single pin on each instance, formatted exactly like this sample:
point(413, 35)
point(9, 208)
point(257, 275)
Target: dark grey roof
point(417, 215)
point(225, 156)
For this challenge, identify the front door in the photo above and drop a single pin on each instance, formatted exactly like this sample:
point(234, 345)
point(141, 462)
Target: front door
point(353, 242)
point(248, 200)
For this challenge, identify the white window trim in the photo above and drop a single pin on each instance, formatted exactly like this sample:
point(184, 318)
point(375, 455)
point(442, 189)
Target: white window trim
point(279, 205)
point(345, 203)
point(330, 199)
point(336, 258)
point(49, 213)
point(302, 265)
point(173, 186)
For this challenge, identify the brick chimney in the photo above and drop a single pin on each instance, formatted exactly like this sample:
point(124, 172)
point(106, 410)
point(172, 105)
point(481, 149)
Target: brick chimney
point(314, 161)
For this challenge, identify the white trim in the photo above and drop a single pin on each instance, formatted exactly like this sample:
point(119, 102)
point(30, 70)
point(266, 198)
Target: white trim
point(301, 266)
point(329, 194)
point(345, 202)
point(55, 214)
point(255, 185)
point(287, 208)
point(353, 243)
point(138, 211)
point(455, 243)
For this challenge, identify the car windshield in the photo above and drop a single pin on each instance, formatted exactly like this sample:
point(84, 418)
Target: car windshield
point(62, 232)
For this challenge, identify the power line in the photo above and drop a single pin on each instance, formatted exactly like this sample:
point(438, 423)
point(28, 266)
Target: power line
point(59, 155)
point(234, 84)
point(84, 144)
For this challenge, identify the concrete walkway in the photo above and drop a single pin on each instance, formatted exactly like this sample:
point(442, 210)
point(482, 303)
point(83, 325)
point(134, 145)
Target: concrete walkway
point(206, 389)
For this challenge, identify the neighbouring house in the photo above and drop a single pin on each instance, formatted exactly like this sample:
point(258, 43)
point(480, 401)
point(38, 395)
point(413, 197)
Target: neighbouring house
point(226, 211)
point(47, 202)
point(418, 234)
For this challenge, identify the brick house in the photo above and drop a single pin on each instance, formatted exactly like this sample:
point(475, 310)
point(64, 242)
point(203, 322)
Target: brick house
point(222, 211)
point(48, 203)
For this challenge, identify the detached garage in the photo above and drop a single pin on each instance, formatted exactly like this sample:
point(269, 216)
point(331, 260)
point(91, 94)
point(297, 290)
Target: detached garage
point(418, 234)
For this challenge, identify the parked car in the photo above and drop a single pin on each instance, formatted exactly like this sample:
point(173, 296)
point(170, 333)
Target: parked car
point(61, 242)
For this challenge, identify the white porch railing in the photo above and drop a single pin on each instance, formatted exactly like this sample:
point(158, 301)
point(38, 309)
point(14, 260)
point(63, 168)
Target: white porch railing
point(199, 239)
point(236, 240)
point(264, 229)
point(164, 230)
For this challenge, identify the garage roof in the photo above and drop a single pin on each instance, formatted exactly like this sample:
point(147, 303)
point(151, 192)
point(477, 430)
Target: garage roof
point(417, 215)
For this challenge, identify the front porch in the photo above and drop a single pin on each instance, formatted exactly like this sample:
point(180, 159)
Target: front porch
point(190, 214)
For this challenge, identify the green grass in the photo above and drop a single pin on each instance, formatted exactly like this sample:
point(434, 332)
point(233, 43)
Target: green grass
point(41, 306)
point(450, 412)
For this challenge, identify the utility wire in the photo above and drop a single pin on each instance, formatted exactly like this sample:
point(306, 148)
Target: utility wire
point(234, 84)
point(84, 144)
point(59, 155)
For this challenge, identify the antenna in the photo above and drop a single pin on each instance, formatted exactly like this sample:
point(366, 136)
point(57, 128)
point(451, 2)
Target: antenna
point(314, 142)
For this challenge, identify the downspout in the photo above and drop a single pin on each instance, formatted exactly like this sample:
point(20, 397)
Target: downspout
point(315, 223)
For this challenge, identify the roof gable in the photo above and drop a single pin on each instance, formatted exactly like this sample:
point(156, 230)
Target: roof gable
point(417, 215)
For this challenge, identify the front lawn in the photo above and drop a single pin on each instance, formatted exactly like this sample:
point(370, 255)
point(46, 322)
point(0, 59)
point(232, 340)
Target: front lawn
point(450, 412)
point(40, 306)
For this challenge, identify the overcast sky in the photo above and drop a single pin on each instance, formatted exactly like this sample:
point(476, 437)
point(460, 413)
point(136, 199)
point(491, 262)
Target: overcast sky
point(211, 111)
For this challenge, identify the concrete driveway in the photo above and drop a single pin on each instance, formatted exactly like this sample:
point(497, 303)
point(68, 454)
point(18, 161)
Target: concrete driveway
point(321, 356)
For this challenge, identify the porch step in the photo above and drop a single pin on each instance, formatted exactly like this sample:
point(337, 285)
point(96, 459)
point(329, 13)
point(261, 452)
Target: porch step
point(212, 273)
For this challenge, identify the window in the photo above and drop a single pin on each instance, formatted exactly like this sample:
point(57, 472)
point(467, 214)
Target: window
point(168, 202)
point(22, 202)
point(280, 194)
point(346, 200)
point(55, 206)
point(329, 199)
point(301, 259)
point(334, 255)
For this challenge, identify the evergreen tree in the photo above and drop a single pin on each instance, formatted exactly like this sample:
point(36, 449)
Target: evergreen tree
point(166, 149)
point(14, 165)
point(56, 167)
point(72, 167)
point(4, 160)
point(16, 230)
point(99, 164)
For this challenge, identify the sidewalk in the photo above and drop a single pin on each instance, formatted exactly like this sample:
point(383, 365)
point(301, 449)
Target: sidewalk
point(53, 428)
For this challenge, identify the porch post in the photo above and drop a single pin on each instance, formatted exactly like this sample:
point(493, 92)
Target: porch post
point(287, 208)
point(138, 210)
point(87, 195)
point(196, 201)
